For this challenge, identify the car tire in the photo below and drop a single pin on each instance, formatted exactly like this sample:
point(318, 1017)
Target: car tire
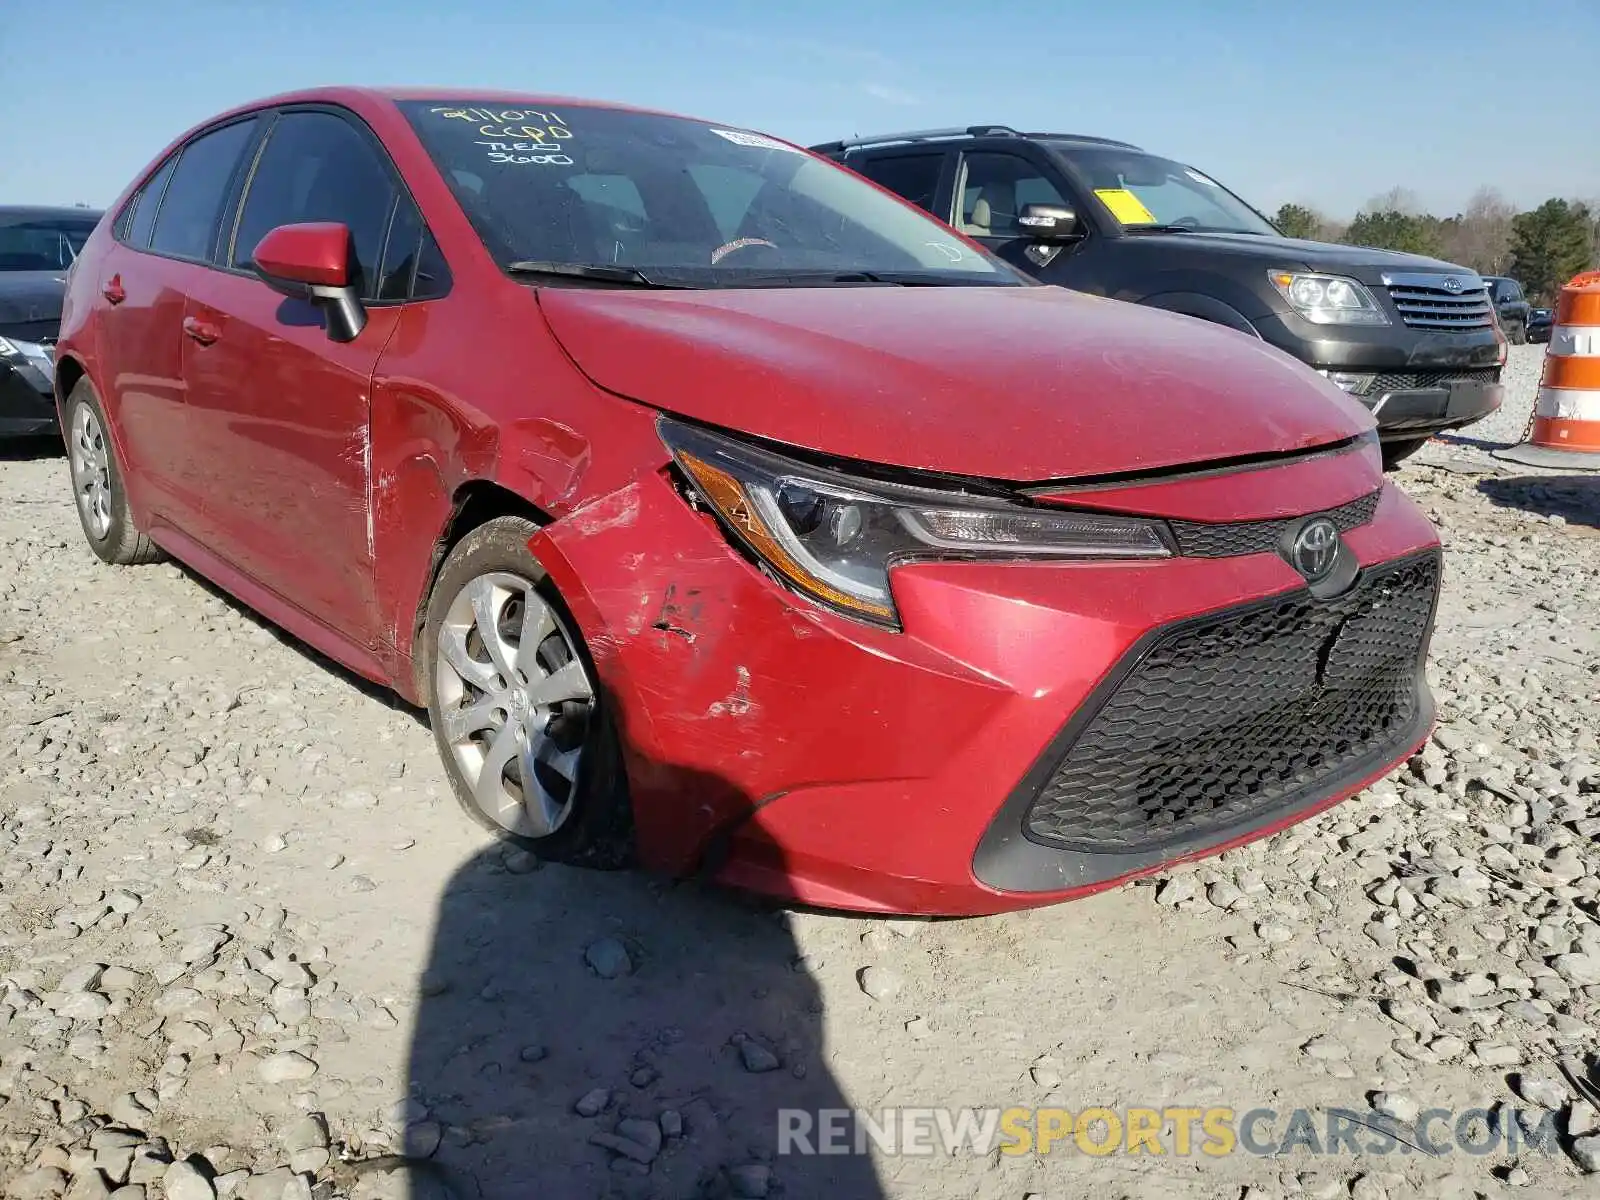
point(487, 702)
point(97, 490)
point(1394, 453)
point(1518, 333)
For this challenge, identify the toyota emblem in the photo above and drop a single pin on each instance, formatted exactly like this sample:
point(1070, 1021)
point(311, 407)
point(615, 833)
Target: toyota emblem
point(1315, 548)
point(1453, 285)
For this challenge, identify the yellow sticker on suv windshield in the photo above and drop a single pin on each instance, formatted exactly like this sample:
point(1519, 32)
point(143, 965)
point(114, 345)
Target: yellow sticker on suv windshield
point(1125, 206)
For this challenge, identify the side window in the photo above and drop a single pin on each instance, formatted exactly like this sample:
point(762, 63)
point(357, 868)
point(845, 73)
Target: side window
point(433, 273)
point(413, 268)
point(139, 217)
point(317, 166)
point(914, 176)
point(994, 189)
point(186, 221)
point(399, 267)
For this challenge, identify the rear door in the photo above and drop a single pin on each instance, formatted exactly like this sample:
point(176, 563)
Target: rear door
point(281, 411)
point(917, 175)
point(163, 238)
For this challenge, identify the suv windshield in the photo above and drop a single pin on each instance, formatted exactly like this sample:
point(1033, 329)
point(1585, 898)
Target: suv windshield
point(1142, 190)
point(37, 243)
point(675, 201)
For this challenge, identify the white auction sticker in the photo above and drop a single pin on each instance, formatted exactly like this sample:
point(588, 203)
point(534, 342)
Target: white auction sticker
point(741, 138)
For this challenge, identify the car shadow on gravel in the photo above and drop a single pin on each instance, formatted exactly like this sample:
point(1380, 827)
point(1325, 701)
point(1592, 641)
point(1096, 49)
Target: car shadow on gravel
point(32, 449)
point(601, 1034)
point(1574, 498)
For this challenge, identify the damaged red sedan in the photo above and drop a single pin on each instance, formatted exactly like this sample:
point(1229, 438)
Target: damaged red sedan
point(731, 515)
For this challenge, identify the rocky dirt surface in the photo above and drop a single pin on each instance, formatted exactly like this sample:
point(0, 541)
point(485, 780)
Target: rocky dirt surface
point(249, 947)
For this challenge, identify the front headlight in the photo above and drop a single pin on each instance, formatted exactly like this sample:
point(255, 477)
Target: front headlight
point(835, 537)
point(39, 356)
point(1328, 299)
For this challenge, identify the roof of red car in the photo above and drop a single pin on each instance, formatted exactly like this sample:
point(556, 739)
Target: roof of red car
point(346, 94)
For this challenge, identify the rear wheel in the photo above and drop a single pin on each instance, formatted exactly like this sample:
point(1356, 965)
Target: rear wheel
point(1394, 453)
point(517, 713)
point(97, 485)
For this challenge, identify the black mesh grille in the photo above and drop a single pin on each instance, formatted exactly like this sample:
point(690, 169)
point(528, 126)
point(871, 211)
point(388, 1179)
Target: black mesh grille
point(1227, 718)
point(1404, 381)
point(1197, 540)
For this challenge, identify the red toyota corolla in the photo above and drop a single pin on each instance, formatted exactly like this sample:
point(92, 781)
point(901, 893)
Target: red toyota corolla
point(732, 515)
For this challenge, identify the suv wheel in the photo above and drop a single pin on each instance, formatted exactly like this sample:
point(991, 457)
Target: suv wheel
point(1394, 453)
point(97, 485)
point(1518, 333)
point(517, 714)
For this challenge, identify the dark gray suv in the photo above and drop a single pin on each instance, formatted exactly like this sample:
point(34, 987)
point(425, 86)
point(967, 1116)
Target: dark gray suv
point(1414, 339)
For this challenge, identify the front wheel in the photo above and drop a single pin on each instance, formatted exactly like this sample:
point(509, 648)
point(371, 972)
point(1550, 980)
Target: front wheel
point(517, 712)
point(102, 503)
point(1518, 333)
point(1394, 453)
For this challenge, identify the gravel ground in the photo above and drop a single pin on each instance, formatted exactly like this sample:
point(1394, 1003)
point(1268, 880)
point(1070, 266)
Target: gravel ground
point(248, 947)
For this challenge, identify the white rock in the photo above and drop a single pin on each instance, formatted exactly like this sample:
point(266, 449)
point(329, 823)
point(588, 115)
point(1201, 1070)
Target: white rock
point(183, 1181)
point(81, 979)
point(286, 1067)
point(1394, 1104)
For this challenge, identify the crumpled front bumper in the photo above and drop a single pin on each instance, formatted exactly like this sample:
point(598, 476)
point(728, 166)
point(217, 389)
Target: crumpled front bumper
point(776, 746)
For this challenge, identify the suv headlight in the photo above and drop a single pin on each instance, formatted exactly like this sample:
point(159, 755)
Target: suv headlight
point(38, 356)
point(1328, 299)
point(835, 537)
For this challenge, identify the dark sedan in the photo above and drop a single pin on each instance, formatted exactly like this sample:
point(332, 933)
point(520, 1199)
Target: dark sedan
point(37, 247)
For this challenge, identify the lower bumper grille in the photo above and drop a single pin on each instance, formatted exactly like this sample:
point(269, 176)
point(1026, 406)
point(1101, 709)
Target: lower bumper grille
point(1226, 718)
point(1408, 381)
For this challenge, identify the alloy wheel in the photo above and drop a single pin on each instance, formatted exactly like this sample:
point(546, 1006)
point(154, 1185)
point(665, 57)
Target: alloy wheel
point(91, 472)
point(515, 702)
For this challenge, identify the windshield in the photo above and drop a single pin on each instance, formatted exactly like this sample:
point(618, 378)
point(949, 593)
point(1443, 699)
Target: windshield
point(42, 243)
point(1140, 189)
point(679, 201)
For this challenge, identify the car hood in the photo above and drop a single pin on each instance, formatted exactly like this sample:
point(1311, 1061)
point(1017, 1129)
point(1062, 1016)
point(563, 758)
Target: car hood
point(31, 298)
point(1358, 262)
point(1026, 383)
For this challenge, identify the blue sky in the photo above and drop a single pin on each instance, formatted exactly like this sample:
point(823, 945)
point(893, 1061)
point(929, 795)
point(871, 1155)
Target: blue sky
point(1323, 103)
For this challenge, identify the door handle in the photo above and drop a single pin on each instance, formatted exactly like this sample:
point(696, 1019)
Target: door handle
point(203, 332)
point(114, 291)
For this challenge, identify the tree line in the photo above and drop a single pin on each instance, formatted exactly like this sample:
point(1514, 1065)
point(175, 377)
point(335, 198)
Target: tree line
point(1542, 247)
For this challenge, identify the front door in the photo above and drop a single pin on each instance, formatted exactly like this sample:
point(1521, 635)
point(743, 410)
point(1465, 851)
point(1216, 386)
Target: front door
point(279, 410)
point(991, 190)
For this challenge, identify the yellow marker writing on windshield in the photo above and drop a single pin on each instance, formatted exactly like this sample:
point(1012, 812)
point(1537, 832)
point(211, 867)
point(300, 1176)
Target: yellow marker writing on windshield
point(1125, 206)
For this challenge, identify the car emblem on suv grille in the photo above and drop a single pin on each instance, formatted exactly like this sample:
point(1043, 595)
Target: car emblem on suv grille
point(1452, 284)
point(1315, 548)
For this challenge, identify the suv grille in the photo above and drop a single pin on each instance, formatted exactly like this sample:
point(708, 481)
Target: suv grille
point(1423, 307)
point(1232, 716)
point(1405, 381)
point(1197, 540)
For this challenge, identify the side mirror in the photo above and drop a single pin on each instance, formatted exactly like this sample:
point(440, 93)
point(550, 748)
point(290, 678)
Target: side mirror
point(311, 261)
point(1048, 223)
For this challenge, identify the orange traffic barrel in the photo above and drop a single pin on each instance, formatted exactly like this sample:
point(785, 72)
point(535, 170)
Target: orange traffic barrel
point(1565, 431)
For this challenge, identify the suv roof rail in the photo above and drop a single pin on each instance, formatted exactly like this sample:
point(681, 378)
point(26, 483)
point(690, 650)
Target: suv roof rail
point(1083, 137)
point(917, 135)
point(972, 131)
